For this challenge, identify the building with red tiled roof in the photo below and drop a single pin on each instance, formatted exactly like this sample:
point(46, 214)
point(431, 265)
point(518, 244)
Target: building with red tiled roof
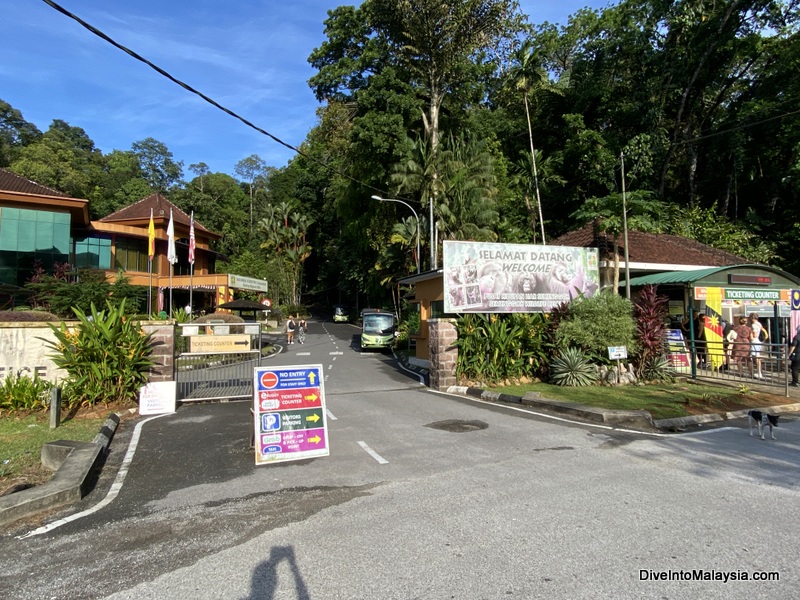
point(647, 252)
point(39, 225)
point(648, 255)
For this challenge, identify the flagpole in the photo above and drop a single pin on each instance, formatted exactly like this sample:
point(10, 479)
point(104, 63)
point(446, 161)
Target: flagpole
point(191, 261)
point(151, 245)
point(191, 276)
point(150, 287)
point(171, 256)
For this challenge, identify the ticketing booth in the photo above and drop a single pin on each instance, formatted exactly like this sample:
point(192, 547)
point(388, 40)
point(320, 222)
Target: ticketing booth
point(728, 293)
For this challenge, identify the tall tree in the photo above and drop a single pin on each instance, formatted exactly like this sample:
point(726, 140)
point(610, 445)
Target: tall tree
point(253, 172)
point(157, 163)
point(15, 133)
point(64, 158)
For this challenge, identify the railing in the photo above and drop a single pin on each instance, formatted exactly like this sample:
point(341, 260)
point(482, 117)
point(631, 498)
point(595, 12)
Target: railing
point(218, 376)
point(720, 360)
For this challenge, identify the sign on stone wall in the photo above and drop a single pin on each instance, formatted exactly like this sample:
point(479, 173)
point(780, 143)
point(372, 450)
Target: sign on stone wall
point(23, 351)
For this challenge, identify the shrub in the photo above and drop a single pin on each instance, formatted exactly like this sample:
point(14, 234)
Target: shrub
point(572, 368)
point(60, 295)
point(595, 323)
point(408, 327)
point(218, 316)
point(650, 312)
point(657, 369)
point(22, 316)
point(498, 347)
point(106, 357)
point(19, 392)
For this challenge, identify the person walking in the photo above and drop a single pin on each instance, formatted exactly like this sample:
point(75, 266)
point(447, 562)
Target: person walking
point(756, 346)
point(700, 340)
point(794, 358)
point(302, 326)
point(741, 345)
point(290, 327)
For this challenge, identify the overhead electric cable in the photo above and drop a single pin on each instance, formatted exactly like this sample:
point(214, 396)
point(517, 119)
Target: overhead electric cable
point(211, 101)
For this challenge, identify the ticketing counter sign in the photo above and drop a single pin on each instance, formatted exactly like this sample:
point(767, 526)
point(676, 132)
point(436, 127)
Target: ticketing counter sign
point(289, 413)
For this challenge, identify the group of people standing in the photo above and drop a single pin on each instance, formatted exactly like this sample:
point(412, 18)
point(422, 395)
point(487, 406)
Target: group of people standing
point(746, 345)
point(291, 325)
point(743, 345)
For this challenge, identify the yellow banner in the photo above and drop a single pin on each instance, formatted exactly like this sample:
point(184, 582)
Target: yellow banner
point(713, 327)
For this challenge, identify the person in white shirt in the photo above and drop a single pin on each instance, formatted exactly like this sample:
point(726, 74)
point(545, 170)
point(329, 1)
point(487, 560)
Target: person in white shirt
point(756, 346)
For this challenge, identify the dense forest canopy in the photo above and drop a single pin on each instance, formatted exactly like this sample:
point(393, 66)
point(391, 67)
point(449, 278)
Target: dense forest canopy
point(498, 128)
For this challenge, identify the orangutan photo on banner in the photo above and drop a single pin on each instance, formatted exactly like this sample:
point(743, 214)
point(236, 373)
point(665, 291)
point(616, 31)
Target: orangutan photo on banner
point(502, 278)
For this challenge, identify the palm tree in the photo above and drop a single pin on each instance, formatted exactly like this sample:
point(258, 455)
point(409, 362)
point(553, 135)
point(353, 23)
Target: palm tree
point(459, 179)
point(527, 75)
point(643, 214)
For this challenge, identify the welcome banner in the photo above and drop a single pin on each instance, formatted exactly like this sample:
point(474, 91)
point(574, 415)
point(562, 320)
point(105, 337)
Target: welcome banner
point(500, 278)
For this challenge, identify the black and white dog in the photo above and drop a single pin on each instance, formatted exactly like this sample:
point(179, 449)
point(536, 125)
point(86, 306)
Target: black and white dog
point(762, 420)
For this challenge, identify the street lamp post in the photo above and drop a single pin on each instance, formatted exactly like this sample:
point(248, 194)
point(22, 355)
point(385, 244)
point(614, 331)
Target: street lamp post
point(625, 231)
point(379, 199)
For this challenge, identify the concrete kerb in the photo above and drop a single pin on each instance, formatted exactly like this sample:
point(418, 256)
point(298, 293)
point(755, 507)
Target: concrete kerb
point(73, 463)
point(631, 419)
point(635, 419)
point(679, 423)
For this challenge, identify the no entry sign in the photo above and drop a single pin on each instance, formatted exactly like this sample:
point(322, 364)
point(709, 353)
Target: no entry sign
point(289, 413)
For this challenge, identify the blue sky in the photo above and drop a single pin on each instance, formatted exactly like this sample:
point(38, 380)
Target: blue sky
point(248, 55)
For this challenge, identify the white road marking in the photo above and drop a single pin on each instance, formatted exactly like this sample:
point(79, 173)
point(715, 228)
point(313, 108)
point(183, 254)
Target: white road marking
point(303, 354)
point(373, 454)
point(551, 417)
point(339, 353)
point(112, 493)
point(402, 366)
point(330, 415)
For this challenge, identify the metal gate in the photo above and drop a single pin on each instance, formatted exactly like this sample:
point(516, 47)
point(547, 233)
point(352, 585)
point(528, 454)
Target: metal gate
point(217, 375)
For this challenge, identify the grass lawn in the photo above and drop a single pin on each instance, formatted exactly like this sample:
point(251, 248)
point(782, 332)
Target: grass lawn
point(663, 401)
point(22, 438)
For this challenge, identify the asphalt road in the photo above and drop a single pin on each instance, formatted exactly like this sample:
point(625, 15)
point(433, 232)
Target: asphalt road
point(424, 495)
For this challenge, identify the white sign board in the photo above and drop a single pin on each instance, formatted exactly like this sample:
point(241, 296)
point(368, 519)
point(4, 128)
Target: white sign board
point(157, 398)
point(616, 352)
point(289, 413)
point(504, 278)
point(247, 283)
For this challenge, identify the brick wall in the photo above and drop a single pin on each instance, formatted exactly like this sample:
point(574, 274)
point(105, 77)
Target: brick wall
point(163, 349)
point(442, 334)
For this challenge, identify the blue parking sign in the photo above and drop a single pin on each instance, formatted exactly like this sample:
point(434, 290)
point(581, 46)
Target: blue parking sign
point(270, 422)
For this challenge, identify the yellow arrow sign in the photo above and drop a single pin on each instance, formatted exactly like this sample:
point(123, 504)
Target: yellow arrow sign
point(312, 397)
point(314, 417)
point(315, 440)
point(312, 377)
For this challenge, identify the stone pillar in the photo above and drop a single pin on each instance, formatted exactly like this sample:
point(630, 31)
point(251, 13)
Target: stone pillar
point(442, 333)
point(163, 344)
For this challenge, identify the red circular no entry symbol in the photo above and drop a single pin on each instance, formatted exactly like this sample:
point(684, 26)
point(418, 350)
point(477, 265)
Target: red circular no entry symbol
point(269, 379)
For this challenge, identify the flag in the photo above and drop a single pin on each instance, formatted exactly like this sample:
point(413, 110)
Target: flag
point(191, 239)
point(172, 256)
point(151, 238)
point(794, 315)
point(714, 327)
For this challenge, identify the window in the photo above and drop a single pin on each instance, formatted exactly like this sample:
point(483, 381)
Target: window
point(93, 252)
point(131, 254)
point(437, 311)
point(28, 236)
